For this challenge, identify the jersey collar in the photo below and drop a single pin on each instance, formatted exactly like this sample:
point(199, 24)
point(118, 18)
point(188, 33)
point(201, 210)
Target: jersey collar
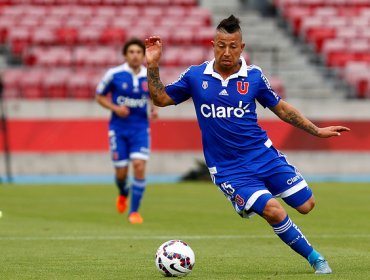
point(141, 74)
point(242, 71)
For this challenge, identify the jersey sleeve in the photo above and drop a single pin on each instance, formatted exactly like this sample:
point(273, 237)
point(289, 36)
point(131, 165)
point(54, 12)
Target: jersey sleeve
point(266, 96)
point(180, 90)
point(105, 84)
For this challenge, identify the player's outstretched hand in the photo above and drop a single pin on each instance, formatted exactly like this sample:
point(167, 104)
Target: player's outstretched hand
point(153, 50)
point(330, 131)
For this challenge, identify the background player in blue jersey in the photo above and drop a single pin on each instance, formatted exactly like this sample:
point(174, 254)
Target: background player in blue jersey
point(129, 126)
point(241, 159)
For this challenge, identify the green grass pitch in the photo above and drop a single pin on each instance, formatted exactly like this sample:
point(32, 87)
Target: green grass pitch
point(73, 232)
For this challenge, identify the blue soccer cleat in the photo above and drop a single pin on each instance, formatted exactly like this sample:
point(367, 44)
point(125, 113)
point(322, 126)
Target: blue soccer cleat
point(321, 266)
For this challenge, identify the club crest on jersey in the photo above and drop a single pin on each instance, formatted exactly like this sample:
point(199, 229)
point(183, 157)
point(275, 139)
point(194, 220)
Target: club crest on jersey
point(144, 86)
point(124, 85)
point(239, 200)
point(205, 84)
point(242, 87)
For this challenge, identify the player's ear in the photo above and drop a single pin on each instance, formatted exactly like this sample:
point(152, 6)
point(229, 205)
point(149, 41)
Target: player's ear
point(213, 43)
point(243, 46)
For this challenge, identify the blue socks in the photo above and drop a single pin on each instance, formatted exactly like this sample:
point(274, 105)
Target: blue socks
point(137, 191)
point(313, 257)
point(122, 186)
point(293, 237)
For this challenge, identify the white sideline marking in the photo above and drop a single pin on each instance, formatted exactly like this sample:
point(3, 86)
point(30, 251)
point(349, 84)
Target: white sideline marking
point(168, 237)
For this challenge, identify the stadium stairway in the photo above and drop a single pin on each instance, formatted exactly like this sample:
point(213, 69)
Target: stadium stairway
point(301, 78)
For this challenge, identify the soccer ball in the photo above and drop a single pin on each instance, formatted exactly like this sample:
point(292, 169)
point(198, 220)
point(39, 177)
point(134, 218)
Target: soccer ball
point(175, 258)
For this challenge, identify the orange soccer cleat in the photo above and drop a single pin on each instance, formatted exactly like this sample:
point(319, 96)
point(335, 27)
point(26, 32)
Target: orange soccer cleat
point(135, 218)
point(121, 203)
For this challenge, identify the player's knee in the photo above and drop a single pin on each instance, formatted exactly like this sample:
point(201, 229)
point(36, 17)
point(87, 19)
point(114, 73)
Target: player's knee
point(306, 207)
point(274, 212)
point(121, 173)
point(139, 167)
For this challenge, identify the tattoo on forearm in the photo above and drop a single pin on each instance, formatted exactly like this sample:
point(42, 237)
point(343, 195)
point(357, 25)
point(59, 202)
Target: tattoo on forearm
point(156, 87)
point(296, 120)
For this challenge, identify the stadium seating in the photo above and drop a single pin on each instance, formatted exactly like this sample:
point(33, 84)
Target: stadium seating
point(66, 45)
point(337, 30)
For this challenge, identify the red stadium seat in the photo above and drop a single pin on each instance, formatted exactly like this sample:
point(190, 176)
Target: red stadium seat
point(194, 56)
point(52, 22)
point(48, 56)
point(114, 36)
point(31, 84)
point(129, 11)
point(43, 36)
point(183, 36)
point(140, 32)
point(175, 11)
point(152, 11)
point(67, 35)
point(165, 33)
point(54, 84)
point(295, 15)
point(317, 36)
point(19, 39)
point(6, 24)
point(204, 36)
point(105, 11)
point(11, 78)
point(79, 86)
point(171, 57)
point(89, 36)
point(29, 21)
point(98, 22)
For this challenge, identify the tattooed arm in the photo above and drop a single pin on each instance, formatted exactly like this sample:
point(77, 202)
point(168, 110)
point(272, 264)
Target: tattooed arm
point(153, 52)
point(291, 115)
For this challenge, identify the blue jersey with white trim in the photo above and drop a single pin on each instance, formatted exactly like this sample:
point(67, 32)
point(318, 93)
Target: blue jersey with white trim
point(127, 89)
point(233, 142)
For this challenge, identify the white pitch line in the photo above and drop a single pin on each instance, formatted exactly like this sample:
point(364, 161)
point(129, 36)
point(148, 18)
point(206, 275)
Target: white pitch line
point(168, 237)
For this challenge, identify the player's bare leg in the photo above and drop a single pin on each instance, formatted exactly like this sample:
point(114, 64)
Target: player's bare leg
point(288, 232)
point(121, 181)
point(138, 188)
point(306, 207)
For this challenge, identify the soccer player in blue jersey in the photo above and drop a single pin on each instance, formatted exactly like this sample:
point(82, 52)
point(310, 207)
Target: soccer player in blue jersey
point(241, 159)
point(129, 126)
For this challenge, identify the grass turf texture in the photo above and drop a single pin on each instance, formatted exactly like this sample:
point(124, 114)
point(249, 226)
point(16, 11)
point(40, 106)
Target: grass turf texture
point(73, 232)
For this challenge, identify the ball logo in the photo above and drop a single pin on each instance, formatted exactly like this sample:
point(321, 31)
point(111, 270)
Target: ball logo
point(242, 87)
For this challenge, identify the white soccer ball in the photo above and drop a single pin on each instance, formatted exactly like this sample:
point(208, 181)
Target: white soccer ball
point(175, 258)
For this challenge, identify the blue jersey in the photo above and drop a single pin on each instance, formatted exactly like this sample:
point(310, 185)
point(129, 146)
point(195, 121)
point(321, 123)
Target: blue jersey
point(127, 89)
point(234, 144)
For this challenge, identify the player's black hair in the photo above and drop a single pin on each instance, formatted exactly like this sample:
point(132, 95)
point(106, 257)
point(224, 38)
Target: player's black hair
point(229, 25)
point(133, 41)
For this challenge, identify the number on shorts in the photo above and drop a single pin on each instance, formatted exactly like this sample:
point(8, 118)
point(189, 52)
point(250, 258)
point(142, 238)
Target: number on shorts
point(227, 188)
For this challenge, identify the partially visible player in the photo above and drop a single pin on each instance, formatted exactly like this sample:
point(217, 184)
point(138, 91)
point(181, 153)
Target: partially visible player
point(129, 134)
point(241, 159)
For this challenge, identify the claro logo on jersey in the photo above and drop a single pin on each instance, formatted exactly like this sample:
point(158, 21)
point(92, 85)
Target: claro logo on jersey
point(131, 102)
point(213, 111)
